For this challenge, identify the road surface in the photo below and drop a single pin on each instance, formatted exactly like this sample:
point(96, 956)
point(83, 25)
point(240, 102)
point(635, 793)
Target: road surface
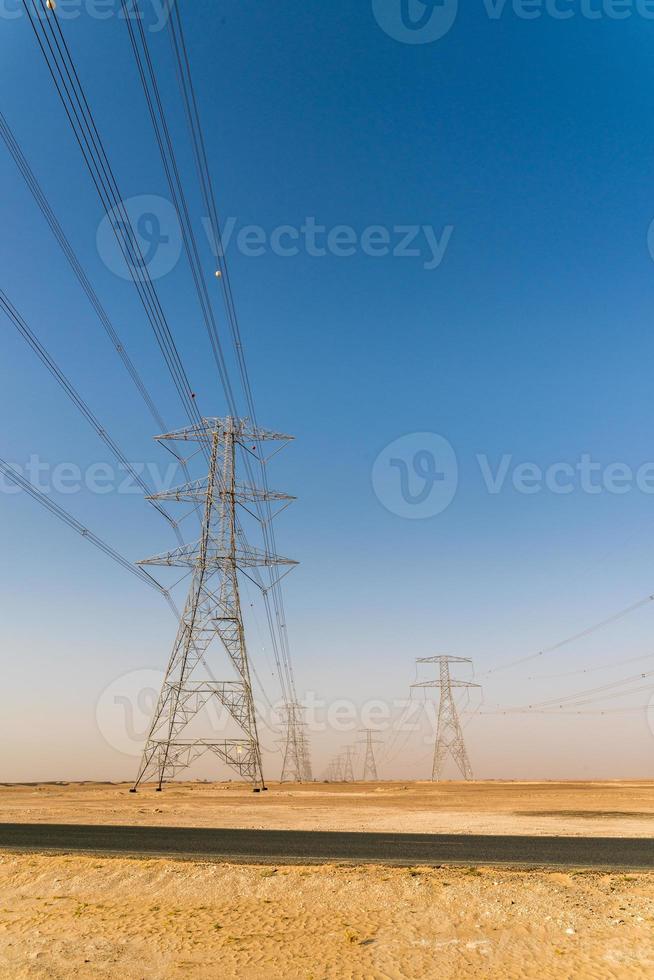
point(319, 847)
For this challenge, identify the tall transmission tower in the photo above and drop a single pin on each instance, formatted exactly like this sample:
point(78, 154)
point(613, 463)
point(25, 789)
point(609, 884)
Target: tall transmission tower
point(212, 612)
point(296, 765)
point(369, 764)
point(449, 736)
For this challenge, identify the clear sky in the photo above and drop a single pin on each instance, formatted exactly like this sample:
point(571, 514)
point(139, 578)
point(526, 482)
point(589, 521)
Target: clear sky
point(517, 154)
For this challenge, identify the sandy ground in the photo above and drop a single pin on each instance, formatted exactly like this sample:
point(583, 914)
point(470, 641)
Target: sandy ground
point(87, 917)
point(620, 809)
point(70, 916)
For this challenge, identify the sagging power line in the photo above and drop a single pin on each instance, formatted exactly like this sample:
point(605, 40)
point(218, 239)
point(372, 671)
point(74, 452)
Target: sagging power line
point(103, 317)
point(12, 474)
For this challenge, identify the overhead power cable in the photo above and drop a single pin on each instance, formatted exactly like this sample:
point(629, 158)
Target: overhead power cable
point(39, 196)
point(585, 711)
point(587, 670)
point(69, 88)
point(157, 112)
point(198, 143)
point(576, 636)
point(584, 697)
point(161, 129)
point(66, 81)
point(43, 355)
point(13, 474)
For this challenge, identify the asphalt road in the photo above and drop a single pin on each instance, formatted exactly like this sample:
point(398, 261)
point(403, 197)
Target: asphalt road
point(319, 847)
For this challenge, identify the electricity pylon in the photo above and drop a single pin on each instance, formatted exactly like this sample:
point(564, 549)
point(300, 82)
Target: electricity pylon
point(334, 773)
point(348, 764)
point(449, 737)
point(212, 612)
point(331, 772)
point(296, 765)
point(369, 764)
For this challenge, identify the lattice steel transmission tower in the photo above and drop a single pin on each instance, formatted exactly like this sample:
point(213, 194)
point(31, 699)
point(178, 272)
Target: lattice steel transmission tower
point(296, 765)
point(369, 764)
point(449, 737)
point(212, 613)
point(348, 764)
point(332, 772)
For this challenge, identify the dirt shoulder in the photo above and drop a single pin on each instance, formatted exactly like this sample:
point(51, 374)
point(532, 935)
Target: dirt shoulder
point(87, 917)
point(620, 809)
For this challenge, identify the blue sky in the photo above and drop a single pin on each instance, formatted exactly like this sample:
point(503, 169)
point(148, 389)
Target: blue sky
point(532, 139)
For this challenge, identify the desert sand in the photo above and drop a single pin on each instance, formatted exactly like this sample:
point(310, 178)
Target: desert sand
point(87, 917)
point(80, 916)
point(619, 809)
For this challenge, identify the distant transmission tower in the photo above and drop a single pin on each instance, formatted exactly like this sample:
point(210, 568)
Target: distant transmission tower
point(369, 764)
point(331, 772)
point(296, 765)
point(335, 770)
point(449, 737)
point(212, 612)
point(348, 764)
